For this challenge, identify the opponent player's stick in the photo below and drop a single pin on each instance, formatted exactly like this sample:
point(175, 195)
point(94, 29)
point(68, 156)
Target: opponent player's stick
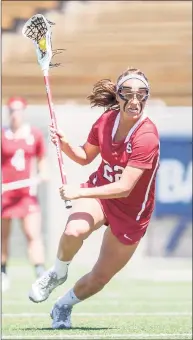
point(38, 29)
point(24, 183)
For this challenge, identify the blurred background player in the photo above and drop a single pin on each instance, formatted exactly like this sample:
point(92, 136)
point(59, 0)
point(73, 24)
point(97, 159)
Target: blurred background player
point(22, 145)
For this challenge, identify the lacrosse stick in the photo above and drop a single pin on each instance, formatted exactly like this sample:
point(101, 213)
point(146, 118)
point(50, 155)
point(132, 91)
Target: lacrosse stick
point(38, 29)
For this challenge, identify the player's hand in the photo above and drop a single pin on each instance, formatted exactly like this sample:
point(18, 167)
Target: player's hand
point(55, 133)
point(69, 192)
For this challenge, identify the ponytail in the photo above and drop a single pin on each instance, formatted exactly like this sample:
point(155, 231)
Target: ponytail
point(104, 94)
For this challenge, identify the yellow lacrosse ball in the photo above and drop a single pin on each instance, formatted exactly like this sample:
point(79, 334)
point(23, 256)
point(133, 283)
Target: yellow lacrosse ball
point(42, 44)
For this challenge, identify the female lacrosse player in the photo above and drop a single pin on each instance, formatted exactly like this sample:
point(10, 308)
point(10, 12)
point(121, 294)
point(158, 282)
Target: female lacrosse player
point(20, 145)
point(120, 194)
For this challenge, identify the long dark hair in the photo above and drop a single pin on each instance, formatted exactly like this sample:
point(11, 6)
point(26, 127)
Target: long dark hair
point(104, 91)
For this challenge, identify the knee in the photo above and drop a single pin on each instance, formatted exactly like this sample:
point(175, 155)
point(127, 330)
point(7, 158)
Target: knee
point(33, 238)
point(74, 231)
point(71, 233)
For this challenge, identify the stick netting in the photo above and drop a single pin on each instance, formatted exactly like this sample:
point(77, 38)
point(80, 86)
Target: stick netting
point(37, 28)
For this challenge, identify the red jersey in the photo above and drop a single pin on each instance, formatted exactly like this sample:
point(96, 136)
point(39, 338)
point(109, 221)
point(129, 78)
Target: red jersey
point(139, 149)
point(18, 155)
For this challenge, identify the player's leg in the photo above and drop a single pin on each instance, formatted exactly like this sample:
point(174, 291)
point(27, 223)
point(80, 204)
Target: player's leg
point(5, 235)
point(85, 217)
point(31, 225)
point(113, 257)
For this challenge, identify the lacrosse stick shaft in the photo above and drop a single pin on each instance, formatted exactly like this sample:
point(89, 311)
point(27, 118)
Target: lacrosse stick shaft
point(53, 120)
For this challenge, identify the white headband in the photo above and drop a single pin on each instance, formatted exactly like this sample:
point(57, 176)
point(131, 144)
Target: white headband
point(132, 76)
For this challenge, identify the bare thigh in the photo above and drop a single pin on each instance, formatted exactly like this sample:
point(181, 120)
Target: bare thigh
point(113, 256)
point(85, 217)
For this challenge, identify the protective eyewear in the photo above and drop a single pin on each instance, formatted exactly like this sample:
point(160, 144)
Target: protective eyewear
point(125, 93)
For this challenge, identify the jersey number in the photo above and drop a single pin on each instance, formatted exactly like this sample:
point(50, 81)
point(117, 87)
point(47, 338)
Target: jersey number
point(18, 160)
point(109, 172)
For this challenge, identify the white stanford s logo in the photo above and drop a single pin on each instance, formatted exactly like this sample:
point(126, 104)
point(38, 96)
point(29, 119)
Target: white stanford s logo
point(129, 148)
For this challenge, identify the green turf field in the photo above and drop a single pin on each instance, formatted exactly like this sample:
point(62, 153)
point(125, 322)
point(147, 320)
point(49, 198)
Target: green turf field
point(125, 309)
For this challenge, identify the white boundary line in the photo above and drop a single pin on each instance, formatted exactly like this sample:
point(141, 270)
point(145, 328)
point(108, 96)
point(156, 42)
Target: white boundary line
point(110, 302)
point(102, 336)
point(108, 298)
point(29, 315)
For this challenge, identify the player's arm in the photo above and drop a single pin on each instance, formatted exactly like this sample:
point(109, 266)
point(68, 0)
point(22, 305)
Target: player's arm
point(121, 188)
point(82, 155)
point(143, 153)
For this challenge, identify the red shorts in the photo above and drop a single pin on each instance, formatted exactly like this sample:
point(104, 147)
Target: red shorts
point(125, 228)
point(18, 206)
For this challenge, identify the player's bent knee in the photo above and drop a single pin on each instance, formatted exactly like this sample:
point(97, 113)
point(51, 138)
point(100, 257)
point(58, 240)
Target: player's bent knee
point(70, 233)
point(75, 232)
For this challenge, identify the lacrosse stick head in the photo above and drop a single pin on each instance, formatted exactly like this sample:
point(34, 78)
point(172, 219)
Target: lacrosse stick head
point(38, 29)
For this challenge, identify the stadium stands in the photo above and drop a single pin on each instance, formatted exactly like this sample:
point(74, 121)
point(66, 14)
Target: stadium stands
point(14, 11)
point(100, 42)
